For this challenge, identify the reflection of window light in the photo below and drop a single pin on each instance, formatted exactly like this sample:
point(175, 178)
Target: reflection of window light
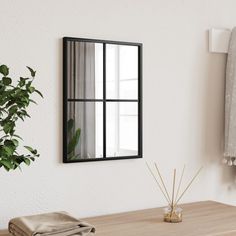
point(122, 77)
point(122, 72)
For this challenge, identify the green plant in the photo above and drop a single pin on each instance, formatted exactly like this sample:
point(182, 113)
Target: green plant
point(73, 141)
point(14, 99)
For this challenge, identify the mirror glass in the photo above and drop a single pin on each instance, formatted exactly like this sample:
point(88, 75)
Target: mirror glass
point(101, 100)
point(84, 130)
point(122, 129)
point(121, 72)
point(84, 70)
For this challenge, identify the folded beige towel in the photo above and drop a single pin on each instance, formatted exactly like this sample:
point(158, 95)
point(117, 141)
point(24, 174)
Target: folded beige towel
point(57, 223)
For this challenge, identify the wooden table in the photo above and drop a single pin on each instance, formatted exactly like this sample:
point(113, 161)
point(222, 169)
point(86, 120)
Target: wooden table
point(199, 219)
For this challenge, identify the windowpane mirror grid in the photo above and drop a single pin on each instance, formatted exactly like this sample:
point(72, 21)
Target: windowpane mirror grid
point(121, 72)
point(102, 100)
point(122, 129)
point(84, 130)
point(85, 70)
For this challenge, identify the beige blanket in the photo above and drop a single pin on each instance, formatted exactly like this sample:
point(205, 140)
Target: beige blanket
point(58, 223)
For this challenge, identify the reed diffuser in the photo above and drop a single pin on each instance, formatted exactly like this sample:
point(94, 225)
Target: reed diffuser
point(172, 213)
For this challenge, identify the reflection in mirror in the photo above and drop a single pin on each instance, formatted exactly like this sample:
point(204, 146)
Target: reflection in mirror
point(84, 130)
point(122, 129)
point(84, 70)
point(121, 71)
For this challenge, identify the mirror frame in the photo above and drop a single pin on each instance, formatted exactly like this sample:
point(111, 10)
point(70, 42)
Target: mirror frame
point(139, 100)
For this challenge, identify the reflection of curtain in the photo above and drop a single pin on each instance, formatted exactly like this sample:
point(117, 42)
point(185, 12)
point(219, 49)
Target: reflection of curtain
point(81, 85)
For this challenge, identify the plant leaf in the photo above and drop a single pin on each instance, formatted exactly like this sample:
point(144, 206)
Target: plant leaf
point(74, 157)
point(31, 100)
point(7, 164)
point(29, 148)
point(27, 161)
point(4, 70)
point(17, 136)
point(22, 81)
point(13, 110)
point(14, 101)
point(34, 152)
point(31, 89)
point(8, 150)
point(74, 141)
point(16, 143)
point(32, 72)
point(6, 80)
point(8, 127)
point(8, 142)
point(38, 92)
point(70, 124)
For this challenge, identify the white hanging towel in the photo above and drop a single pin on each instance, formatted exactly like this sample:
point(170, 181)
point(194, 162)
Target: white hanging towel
point(230, 100)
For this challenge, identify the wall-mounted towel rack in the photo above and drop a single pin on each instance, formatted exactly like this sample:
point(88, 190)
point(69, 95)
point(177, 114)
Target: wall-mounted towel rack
point(219, 40)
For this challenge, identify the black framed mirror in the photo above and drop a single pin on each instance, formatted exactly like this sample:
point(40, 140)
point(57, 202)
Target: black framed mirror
point(102, 100)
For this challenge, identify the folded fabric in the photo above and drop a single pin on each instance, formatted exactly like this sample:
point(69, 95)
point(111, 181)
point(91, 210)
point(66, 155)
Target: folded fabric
point(57, 223)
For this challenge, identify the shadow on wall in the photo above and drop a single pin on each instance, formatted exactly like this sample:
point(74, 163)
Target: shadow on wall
point(214, 105)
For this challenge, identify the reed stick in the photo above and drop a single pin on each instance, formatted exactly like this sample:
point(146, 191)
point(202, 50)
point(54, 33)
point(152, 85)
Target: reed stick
point(158, 183)
point(188, 185)
point(180, 182)
point(162, 181)
point(173, 190)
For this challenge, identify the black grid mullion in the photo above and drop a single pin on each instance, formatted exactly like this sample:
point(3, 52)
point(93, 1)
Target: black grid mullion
point(100, 100)
point(140, 102)
point(104, 102)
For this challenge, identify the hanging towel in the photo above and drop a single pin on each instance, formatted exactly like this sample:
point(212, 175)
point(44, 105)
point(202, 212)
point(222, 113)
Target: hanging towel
point(49, 224)
point(230, 100)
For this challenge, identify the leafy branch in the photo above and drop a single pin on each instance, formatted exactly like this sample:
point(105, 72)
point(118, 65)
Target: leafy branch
point(73, 142)
point(14, 100)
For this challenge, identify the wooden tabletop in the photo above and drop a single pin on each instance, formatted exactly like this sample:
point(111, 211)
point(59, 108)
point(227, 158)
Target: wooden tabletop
point(199, 219)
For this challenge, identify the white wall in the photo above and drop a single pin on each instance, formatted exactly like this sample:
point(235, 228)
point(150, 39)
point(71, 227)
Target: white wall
point(183, 102)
